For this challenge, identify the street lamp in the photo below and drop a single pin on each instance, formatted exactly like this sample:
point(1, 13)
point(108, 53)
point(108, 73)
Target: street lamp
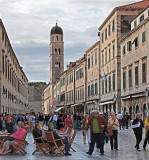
point(114, 98)
point(146, 92)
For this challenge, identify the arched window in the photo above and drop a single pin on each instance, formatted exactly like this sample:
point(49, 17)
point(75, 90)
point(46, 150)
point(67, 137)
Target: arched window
point(59, 51)
point(59, 64)
point(57, 38)
point(55, 50)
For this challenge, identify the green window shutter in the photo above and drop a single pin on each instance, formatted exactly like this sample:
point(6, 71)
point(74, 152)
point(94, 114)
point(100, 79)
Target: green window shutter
point(143, 37)
point(106, 86)
point(136, 75)
point(123, 49)
point(102, 86)
point(130, 79)
point(113, 82)
point(124, 80)
point(109, 83)
point(129, 46)
point(144, 73)
point(135, 23)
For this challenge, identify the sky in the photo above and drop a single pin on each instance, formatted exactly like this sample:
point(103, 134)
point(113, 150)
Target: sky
point(28, 24)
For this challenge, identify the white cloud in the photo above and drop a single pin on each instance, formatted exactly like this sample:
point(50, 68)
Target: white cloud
point(28, 24)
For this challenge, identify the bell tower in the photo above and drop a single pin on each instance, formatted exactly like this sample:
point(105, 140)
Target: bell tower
point(56, 53)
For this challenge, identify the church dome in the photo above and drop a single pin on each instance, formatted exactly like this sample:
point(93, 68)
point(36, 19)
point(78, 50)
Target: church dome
point(56, 30)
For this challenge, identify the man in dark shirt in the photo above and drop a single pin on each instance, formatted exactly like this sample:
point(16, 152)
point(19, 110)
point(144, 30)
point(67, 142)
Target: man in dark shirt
point(37, 132)
point(56, 136)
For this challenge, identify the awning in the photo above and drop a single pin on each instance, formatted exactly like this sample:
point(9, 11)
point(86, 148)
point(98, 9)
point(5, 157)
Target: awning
point(128, 97)
point(139, 95)
point(89, 102)
point(101, 104)
point(59, 109)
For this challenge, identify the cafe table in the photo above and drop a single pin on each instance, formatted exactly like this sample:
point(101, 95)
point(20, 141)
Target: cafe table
point(3, 138)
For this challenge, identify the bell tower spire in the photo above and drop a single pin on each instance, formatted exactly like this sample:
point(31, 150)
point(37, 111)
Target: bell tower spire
point(56, 53)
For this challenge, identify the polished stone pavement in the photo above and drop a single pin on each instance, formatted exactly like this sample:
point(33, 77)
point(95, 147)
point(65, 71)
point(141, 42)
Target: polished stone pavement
point(126, 150)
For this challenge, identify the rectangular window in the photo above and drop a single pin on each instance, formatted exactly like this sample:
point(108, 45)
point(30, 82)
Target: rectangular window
point(88, 63)
point(129, 46)
point(105, 33)
point(92, 61)
point(124, 80)
point(136, 75)
point(3, 64)
point(95, 58)
point(135, 42)
point(113, 25)
point(143, 37)
point(109, 29)
point(106, 56)
point(130, 78)
point(82, 93)
point(113, 82)
point(2, 35)
point(102, 37)
point(78, 94)
point(124, 50)
point(92, 89)
point(109, 54)
point(96, 88)
point(113, 51)
point(102, 86)
point(144, 72)
point(142, 18)
point(106, 86)
point(72, 96)
point(109, 83)
point(89, 91)
point(135, 23)
point(102, 59)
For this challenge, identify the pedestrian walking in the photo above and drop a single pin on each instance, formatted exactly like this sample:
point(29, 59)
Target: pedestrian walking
point(146, 133)
point(119, 117)
point(137, 128)
point(97, 125)
point(113, 122)
point(86, 134)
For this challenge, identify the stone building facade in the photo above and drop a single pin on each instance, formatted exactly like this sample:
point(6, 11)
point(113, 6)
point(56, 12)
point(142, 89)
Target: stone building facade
point(116, 25)
point(92, 78)
point(35, 97)
point(13, 81)
point(134, 66)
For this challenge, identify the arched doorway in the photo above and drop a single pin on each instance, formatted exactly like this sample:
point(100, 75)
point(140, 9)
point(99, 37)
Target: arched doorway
point(144, 112)
point(130, 112)
point(137, 109)
point(124, 110)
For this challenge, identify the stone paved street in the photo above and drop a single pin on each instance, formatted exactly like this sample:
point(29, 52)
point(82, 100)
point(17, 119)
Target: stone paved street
point(126, 150)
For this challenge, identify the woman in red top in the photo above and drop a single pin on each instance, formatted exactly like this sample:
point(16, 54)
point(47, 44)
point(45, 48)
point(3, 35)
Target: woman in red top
point(14, 138)
point(69, 121)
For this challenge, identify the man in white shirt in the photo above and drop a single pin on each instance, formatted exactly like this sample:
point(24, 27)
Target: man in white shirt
point(119, 117)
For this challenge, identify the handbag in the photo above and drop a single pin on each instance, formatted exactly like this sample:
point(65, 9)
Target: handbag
point(110, 132)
